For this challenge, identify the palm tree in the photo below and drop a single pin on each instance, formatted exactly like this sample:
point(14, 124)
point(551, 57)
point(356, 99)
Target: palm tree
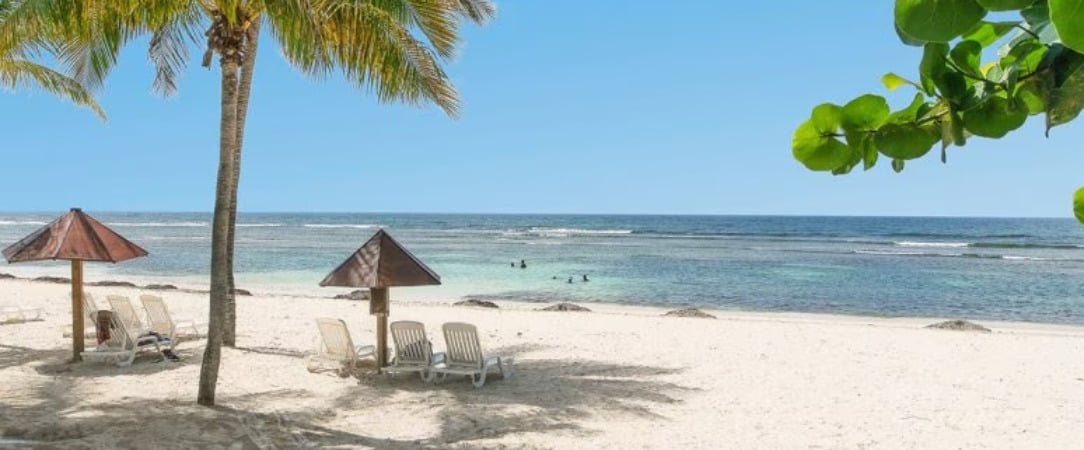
point(369, 41)
point(17, 43)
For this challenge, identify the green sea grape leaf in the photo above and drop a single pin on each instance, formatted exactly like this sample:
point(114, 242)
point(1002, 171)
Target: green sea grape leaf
point(855, 158)
point(995, 117)
point(865, 113)
point(1032, 94)
point(905, 141)
point(897, 165)
point(966, 55)
point(1005, 5)
point(953, 86)
point(818, 151)
point(827, 118)
point(1078, 205)
point(932, 66)
point(869, 154)
point(956, 127)
point(945, 135)
point(1067, 98)
point(1037, 16)
point(908, 40)
point(1068, 19)
point(893, 81)
point(910, 113)
point(987, 33)
point(1027, 55)
point(937, 20)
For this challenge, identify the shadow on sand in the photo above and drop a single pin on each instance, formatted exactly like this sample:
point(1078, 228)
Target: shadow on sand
point(544, 396)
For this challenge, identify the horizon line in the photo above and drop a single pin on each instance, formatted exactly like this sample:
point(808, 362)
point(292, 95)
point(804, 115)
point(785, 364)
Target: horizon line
point(641, 214)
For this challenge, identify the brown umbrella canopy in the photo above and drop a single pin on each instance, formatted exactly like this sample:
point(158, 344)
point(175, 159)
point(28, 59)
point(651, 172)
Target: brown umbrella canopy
point(73, 236)
point(381, 262)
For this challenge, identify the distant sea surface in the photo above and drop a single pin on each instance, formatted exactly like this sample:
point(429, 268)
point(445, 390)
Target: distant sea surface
point(975, 268)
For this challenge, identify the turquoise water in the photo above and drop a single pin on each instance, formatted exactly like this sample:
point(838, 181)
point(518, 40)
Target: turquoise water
point(981, 268)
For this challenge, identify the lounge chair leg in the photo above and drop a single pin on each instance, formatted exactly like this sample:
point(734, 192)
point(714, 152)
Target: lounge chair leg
point(481, 381)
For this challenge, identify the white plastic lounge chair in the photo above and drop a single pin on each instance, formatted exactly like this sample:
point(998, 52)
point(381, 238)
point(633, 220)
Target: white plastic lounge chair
point(413, 351)
point(122, 346)
point(19, 314)
point(90, 312)
point(337, 347)
point(122, 308)
point(465, 356)
point(162, 322)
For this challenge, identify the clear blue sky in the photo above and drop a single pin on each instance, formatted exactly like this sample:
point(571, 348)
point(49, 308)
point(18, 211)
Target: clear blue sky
point(570, 106)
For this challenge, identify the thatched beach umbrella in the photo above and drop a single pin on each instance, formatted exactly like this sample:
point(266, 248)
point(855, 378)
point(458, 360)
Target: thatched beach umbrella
point(379, 264)
point(75, 237)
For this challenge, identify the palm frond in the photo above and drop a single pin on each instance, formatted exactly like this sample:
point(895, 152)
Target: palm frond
point(367, 45)
point(438, 20)
point(170, 47)
point(17, 73)
point(478, 11)
point(94, 32)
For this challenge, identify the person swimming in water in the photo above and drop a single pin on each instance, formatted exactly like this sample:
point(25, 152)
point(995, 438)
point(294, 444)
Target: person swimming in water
point(569, 280)
point(585, 278)
point(522, 264)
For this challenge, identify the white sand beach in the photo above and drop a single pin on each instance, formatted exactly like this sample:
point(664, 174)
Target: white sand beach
point(616, 378)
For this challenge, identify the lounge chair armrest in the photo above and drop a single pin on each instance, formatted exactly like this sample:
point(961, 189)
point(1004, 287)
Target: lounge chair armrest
point(365, 350)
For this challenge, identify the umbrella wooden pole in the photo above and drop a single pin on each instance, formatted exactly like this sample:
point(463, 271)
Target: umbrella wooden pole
point(78, 328)
point(378, 306)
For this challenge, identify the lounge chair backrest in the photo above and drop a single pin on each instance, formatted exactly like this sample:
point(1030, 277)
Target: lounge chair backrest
point(122, 308)
point(90, 308)
point(336, 338)
point(462, 344)
point(411, 346)
point(157, 314)
point(119, 337)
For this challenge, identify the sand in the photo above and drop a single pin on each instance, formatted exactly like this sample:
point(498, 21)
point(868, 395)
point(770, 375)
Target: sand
point(615, 378)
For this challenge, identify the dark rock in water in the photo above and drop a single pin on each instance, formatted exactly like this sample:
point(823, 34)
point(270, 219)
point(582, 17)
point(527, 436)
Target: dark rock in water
point(7, 276)
point(112, 284)
point(476, 302)
point(959, 325)
point(689, 312)
point(242, 292)
point(59, 280)
point(565, 307)
point(360, 294)
point(160, 287)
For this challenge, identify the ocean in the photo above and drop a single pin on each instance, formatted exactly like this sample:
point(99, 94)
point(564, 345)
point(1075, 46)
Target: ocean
point(973, 268)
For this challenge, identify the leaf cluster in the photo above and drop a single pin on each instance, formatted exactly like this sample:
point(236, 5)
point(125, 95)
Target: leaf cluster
point(1038, 69)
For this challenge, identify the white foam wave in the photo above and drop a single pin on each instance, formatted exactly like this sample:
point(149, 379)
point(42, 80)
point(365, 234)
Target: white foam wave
point(159, 224)
point(258, 225)
point(566, 232)
point(932, 244)
point(21, 222)
point(341, 225)
point(883, 252)
point(1023, 258)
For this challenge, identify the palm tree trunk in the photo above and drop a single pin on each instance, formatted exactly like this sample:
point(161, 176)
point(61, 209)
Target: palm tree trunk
point(208, 374)
point(229, 332)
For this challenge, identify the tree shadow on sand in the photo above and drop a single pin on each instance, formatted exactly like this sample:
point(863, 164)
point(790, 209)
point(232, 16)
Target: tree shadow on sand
point(58, 364)
point(544, 395)
point(173, 424)
point(15, 356)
